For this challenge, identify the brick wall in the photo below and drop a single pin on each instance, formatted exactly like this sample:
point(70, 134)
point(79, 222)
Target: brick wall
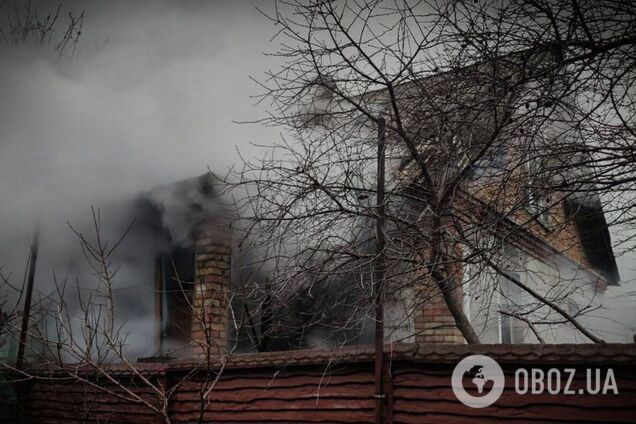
point(434, 322)
point(560, 233)
point(213, 251)
point(432, 318)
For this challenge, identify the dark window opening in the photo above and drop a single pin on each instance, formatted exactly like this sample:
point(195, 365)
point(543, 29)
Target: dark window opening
point(587, 212)
point(175, 287)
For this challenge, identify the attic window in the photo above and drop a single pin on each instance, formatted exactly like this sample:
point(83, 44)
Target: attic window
point(537, 202)
point(174, 294)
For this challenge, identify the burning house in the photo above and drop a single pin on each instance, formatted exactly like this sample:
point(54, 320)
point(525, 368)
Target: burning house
point(505, 228)
point(202, 305)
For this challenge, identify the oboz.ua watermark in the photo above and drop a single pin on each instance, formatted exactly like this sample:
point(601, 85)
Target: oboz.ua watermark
point(478, 381)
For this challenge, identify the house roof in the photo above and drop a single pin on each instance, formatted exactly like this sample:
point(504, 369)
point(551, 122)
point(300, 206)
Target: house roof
point(445, 354)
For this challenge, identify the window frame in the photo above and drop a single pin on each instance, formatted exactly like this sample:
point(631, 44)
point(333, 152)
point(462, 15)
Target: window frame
point(536, 203)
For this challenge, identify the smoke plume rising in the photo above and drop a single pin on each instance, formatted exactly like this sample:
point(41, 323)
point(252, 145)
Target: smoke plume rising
point(148, 98)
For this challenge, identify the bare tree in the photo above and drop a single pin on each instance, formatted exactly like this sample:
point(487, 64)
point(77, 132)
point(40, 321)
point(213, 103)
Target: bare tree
point(24, 23)
point(497, 113)
point(80, 338)
point(76, 334)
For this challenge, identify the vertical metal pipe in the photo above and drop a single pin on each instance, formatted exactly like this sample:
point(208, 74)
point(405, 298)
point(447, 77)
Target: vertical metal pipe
point(27, 299)
point(378, 282)
point(159, 290)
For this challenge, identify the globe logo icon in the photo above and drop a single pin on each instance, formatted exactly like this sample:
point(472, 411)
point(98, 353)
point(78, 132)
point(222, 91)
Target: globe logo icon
point(480, 380)
point(477, 381)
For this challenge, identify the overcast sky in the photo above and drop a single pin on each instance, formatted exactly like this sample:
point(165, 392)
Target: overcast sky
point(149, 97)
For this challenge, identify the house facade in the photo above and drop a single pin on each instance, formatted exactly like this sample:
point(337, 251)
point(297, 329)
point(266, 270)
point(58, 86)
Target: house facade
point(530, 247)
point(556, 258)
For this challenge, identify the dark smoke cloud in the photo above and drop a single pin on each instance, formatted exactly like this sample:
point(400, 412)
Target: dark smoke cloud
point(148, 98)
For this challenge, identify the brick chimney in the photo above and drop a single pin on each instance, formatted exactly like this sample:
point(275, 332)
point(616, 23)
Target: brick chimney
point(213, 251)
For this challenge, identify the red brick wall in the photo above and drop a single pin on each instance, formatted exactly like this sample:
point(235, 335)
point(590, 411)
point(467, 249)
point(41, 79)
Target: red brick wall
point(434, 322)
point(213, 244)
